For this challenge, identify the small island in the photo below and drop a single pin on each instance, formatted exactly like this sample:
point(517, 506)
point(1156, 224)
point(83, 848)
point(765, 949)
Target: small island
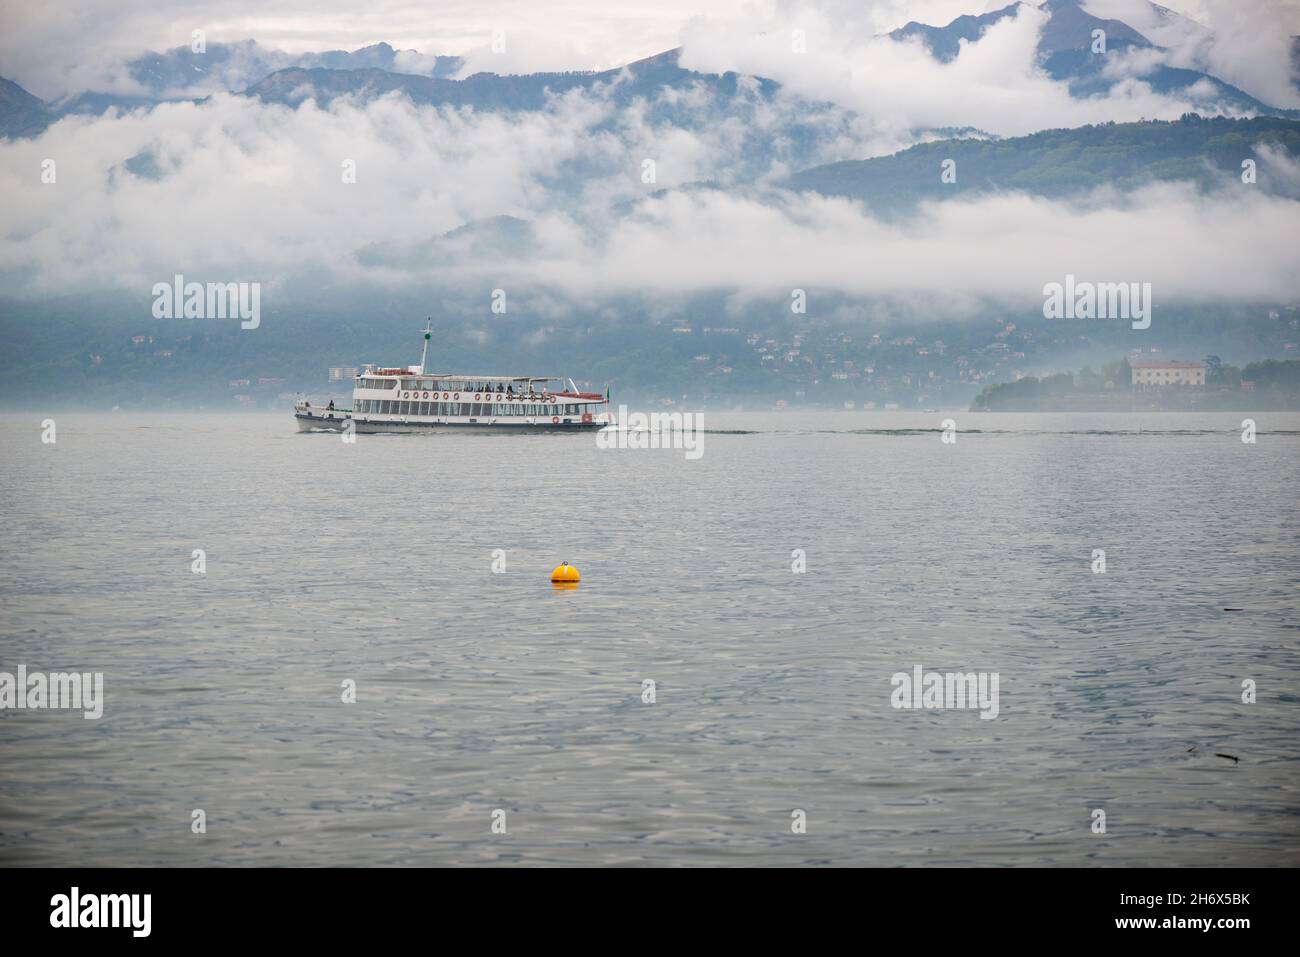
point(1152, 386)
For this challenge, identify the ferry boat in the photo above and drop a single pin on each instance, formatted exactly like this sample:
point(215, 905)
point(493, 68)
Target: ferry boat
point(412, 400)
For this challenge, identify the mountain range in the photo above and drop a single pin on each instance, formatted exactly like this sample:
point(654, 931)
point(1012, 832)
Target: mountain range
point(1206, 151)
point(1064, 53)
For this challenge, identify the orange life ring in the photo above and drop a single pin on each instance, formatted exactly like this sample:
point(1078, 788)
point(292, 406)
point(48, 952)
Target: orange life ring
point(555, 420)
point(456, 395)
point(477, 397)
point(586, 417)
point(426, 395)
point(406, 395)
point(499, 397)
point(446, 396)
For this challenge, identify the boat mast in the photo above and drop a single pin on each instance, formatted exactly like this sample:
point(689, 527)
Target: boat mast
point(424, 355)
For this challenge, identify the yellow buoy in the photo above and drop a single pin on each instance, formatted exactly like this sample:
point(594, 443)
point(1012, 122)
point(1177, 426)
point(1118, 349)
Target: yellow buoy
point(566, 573)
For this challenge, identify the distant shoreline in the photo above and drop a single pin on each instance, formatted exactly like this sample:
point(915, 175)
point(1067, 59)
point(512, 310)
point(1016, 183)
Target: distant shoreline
point(1227, 402)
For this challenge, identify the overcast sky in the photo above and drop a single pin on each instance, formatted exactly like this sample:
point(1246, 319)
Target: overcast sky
point(58, 47)
point(252, 190)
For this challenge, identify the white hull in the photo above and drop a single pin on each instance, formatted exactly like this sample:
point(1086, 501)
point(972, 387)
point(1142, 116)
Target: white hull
point(319, 420)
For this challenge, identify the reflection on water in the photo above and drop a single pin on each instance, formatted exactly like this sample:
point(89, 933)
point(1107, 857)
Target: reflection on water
point(372, 563)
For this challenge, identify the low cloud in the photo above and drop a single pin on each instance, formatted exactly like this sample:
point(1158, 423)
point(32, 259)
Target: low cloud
point(239, 190)
point(1190, 247)
point(236, 189)
point(1243, 42)
point(994, 84)
point(241, 185)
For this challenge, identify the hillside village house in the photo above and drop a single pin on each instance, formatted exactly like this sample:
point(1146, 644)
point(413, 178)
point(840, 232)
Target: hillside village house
point(1168, 373)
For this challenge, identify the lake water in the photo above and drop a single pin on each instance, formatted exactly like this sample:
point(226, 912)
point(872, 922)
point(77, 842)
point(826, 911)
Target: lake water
point(372, 563)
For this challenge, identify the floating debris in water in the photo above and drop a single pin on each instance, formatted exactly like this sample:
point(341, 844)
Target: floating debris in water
point(1234, 609)
point(1234, 760)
